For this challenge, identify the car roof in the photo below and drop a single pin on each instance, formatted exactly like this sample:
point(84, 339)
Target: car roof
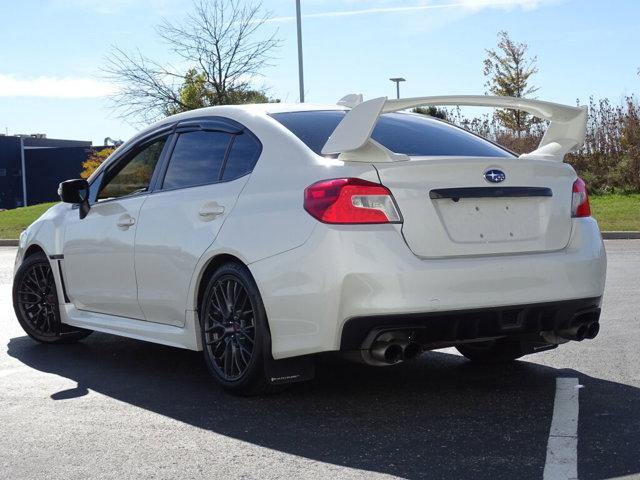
point(258, 108)
point(252, 109)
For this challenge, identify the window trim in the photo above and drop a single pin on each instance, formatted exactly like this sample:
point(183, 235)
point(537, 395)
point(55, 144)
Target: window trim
point(208, 124)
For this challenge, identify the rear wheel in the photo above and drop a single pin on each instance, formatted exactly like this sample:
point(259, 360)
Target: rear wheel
point(235, 336)
point(35, 301)
point(493, 351)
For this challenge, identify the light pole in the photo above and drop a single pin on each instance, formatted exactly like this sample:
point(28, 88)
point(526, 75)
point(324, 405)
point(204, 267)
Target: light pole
point(300, 73)
point(397, 80)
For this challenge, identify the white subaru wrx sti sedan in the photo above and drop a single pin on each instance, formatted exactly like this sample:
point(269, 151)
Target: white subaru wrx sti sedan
point(266, 234)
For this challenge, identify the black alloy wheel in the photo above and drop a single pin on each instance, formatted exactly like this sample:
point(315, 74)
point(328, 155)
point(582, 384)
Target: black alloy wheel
point(235, 335)
point(35, 301)
point(230, 328)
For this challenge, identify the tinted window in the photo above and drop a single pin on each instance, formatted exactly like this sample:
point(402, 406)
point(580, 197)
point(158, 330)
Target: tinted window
point(134, 175)
point(196, 159)
point(243, 156)
point(400, 132)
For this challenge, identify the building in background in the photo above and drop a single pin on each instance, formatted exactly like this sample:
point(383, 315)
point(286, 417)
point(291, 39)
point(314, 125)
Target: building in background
point(32, 166)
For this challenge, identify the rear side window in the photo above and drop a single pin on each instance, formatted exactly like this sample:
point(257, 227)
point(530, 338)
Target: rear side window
point(410, 134)
point(243, 156)
point(197, 159)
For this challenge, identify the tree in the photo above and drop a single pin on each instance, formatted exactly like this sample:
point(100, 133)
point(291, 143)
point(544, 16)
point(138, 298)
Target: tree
point(197, 93)
point(431, 111)
point(218, 44)
point(509, 72)
point(94, 160)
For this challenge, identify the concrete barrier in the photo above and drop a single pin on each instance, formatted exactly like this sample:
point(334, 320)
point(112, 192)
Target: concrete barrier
point(620, 235)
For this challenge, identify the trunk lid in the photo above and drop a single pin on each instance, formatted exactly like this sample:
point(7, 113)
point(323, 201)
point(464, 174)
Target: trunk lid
point(450, 209)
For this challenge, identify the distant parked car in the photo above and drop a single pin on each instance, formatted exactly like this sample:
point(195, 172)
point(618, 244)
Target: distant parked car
point(266, 234)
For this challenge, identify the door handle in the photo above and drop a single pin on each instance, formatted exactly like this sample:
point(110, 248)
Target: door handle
point(210, 211)
point(125, 221)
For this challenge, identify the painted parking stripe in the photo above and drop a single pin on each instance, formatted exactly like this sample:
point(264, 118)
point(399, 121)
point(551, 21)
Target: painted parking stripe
point(562, 448)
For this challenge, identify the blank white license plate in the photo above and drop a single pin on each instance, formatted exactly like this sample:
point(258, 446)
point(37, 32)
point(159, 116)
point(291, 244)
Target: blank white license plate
point(481, 220)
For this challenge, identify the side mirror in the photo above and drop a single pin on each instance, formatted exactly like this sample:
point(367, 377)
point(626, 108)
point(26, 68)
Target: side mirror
point(75, 191)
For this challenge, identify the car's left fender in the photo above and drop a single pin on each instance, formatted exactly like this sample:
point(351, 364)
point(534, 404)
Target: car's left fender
point(47, 232)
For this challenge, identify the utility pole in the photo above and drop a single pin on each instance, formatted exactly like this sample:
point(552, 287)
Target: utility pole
point(397, 81)
point(300, 69)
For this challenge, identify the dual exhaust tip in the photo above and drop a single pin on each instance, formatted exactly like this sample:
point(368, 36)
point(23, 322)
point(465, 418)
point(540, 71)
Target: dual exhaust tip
point(395, 351)
point(391, 352)
point(577, 333)
point(581, 332)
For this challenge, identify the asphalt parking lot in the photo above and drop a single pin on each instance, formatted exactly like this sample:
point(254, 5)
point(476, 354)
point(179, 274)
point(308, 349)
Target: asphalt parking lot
point(116, 408)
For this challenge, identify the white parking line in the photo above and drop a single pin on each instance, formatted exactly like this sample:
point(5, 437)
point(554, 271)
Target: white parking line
point(562, 449)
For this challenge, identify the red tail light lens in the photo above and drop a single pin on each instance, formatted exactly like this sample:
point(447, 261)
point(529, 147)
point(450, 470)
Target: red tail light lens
point(580, 200)
point(350, 200)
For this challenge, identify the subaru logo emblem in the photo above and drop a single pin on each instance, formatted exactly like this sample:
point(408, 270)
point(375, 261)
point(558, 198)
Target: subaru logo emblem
point(494, 176)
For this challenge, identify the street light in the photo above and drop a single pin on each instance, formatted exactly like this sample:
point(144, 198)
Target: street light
point(300, 74)
point(397, 80)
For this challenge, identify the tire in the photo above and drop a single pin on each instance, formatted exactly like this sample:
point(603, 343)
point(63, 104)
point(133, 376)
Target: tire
point(35, 302)
point(493, 351)
point(235, 333)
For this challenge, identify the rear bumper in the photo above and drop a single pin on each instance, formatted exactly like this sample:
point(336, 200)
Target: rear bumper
point(349, 272)
point(437, 329)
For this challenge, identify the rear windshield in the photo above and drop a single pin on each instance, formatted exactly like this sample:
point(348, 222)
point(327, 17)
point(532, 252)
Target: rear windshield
point(411, 134)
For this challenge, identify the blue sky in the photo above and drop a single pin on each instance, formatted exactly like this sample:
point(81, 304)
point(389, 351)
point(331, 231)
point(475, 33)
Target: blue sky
point(52, 51)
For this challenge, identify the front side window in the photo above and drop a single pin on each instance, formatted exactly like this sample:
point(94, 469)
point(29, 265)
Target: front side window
point(197, 159)
point(132, 176)
point(413, 135)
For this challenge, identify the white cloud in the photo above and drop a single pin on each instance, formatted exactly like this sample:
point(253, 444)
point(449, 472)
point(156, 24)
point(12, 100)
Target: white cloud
point(53, 87)
point(465, 4)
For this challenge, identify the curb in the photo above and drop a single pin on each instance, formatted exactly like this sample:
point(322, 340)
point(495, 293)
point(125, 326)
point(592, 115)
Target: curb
point(8, 243)
point(620, 235)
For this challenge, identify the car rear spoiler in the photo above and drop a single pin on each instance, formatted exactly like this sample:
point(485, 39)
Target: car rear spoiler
point(352, 137)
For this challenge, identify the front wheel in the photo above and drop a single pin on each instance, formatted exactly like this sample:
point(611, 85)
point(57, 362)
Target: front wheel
point(35, 301)
point(235, 335)
point(492, 351)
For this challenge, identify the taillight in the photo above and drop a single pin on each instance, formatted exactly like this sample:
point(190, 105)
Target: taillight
point(350, 200)
point(580, 200)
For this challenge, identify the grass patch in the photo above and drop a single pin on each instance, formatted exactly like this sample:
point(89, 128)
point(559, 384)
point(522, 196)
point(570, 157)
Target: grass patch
point(12, 222)
point(616, 211)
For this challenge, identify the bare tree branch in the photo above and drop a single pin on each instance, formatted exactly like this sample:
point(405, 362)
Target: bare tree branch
point(218, 41)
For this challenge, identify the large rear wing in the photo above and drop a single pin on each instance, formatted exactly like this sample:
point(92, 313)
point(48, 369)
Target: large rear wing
point(352, 137)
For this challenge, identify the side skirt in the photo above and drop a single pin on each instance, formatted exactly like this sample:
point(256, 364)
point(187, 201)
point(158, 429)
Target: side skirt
point(181, 337)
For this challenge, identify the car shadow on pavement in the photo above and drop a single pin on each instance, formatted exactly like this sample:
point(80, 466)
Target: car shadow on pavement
point(440, 417)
